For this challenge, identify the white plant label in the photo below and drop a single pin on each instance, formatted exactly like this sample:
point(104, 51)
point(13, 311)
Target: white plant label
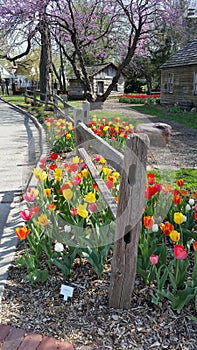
point(66, 291)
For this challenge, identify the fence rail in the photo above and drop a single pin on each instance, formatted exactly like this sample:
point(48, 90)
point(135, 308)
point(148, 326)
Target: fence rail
point(127, 213)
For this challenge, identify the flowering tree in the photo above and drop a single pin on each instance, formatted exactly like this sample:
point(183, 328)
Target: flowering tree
point(85, 31)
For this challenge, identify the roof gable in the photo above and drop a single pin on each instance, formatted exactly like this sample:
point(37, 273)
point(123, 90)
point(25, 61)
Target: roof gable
point(185, 56)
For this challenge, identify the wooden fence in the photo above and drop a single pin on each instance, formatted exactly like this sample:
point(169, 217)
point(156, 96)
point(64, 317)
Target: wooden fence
point(128, 212)
point(60, 105)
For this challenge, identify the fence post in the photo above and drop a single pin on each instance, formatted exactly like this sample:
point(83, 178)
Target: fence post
point(34, 95)
point(78, 115)
point(25, 95)
point(55, 102)
point(86, 112)
point(128, 221)
point(65, 100)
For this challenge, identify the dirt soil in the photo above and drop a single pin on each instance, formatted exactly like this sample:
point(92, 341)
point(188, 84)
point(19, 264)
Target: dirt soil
point(86, 320)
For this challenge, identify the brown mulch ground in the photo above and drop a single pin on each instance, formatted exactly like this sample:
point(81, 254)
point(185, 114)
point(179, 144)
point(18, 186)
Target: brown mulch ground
point(86, 319)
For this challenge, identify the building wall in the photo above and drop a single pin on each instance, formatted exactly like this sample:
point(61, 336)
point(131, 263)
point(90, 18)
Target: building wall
point(183, 85)
point(103, 78)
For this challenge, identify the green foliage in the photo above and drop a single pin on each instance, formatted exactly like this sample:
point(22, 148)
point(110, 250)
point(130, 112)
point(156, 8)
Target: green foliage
point(184, 118)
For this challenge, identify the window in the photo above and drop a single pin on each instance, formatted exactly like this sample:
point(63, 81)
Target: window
point(100, 87)
point(195, 83)
point(170, 83)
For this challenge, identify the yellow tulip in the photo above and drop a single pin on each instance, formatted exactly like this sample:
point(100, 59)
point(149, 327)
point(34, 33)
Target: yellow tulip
point(68, 194)
point(75, 160)
point(90, 197)
point(106, 171)
point(43, 220)
point(85, 173)
point(58, 174)
point(178, 218)
point(47, 192)
point(175, 236)
point(102, 160)
point(81, 210)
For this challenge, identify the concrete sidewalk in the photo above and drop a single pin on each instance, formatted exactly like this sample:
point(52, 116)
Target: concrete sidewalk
point(21, 145)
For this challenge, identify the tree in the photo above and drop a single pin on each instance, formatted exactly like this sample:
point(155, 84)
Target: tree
point(86, 31)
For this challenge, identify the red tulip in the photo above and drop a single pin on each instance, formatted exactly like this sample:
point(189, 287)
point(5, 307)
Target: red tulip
point(180, 252)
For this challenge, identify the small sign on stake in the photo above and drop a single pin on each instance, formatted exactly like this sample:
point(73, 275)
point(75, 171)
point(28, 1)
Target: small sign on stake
point(66, 291)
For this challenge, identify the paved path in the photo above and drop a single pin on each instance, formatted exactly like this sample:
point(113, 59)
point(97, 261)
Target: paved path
point(20, 148)
point(21, 145)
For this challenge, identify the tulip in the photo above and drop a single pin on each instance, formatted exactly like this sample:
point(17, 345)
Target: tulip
point(148, 221)
point(180, 252)
point(22, 232)
point(180, 182)
point(191, 201)
point(175, 236)
point(154, 259)
point(26, 214)
point(178, 218)
point(58, 247)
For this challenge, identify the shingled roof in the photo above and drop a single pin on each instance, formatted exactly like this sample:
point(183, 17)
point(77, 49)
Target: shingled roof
point(185, 56)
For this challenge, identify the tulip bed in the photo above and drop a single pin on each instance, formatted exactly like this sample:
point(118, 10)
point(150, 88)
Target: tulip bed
point(139, 98)
point(66, 217)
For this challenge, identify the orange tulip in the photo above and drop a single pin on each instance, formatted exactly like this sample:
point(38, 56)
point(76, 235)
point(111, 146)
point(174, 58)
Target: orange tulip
point(22, 232)
point(180, 182)
point(148, 221)
point(166, 228)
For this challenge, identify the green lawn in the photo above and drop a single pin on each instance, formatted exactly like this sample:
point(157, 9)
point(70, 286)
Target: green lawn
point(185, 118)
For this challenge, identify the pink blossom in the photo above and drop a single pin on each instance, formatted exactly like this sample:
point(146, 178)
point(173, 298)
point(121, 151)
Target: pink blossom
point(195, 207)
point(93, 207)
point(29, 197)
point(97, 157)
point(154, 259)
point(26, 214)
point(76, 180)
point(73, 212)
point(34, 210)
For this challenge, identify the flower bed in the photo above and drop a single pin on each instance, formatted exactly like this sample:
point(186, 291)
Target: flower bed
point(66, 218)
point(139, 98)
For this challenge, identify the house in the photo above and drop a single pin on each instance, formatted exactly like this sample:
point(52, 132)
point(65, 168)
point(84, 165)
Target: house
point(101, 76)
point(179, 78)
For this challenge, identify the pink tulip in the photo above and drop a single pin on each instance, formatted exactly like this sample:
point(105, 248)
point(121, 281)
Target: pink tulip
point(29, 197)
point(180, 252)
point(93, 207)
point(154, 259)
point(26, 214)
point(76, 180)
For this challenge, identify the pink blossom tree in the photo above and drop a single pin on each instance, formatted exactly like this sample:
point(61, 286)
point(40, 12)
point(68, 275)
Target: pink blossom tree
point(84, 30)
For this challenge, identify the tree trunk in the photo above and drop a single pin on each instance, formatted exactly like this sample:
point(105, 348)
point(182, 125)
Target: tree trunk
point(45, 60)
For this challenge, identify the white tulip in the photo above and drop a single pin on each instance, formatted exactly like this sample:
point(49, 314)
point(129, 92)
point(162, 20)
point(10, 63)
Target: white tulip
point(59, 247)
point(155, 228)
point(184, 218)
point(187, 208)
point(191, 201)
point(67, 228)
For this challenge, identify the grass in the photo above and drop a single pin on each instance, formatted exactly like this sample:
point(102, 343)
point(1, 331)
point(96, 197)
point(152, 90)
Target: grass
point(185, 118)
point(189, 175)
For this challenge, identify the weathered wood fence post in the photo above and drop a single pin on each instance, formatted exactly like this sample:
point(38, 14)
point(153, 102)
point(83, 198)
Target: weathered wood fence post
point(86, 112)
point(128, 221)
point(34, 96)
point(55, 102)
point(65, 100)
